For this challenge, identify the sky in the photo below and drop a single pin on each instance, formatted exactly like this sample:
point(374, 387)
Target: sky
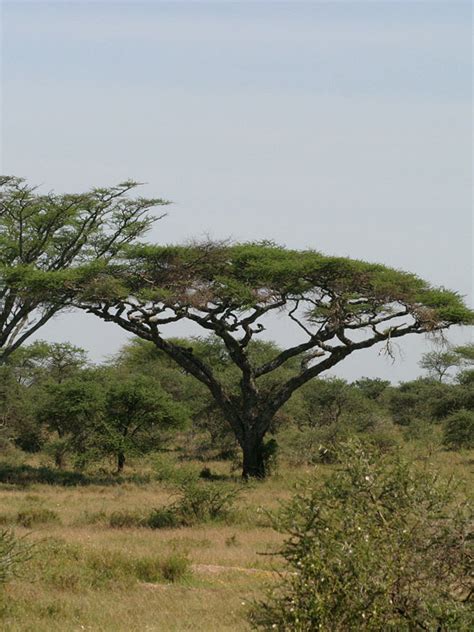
point(343, 126)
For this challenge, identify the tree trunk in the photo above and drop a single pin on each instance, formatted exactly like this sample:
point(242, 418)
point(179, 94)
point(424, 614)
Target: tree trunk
point(254, 462)
point(59, 460)
point(120, 462)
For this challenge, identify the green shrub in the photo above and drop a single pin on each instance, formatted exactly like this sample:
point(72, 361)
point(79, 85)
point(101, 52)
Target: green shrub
point(459, 430)
point(13, 553)
point(162, 518)
point(383, 436)
point(147, 569)
point(33, 517)
point(425, 432)
point(197, 502)
point(313, 445)
point(204, 502)
point(175, 567)
point(126, 519)
point(167, 471)
point(376, 546)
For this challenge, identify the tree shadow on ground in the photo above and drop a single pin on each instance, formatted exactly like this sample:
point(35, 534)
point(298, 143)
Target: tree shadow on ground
point(24, 475)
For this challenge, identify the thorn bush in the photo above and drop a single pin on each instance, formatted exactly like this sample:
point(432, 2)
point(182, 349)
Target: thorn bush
point(379, 545)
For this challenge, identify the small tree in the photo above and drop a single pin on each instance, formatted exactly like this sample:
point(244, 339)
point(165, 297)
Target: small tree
point(137, 415)
point(328, 401)
point(17, 422)
point(418, 400)
point(378, 546)
point(51, 232)
point(43, 361)
point(72, 410)
point(23, 378)
point(438, 362)
point(338, 306)
point(98, 412)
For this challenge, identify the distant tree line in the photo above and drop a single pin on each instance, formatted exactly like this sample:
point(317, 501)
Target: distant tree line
point(54, 401)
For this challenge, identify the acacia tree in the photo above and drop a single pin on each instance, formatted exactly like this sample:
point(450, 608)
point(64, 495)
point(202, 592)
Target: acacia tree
point(24, 376)
point(438, 362)
point(56, 233)
point(42, 361)
point(72, 409)
point(138, 413)
point(338, 305)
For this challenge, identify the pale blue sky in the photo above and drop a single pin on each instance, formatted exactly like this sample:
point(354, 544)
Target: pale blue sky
point(342, 126)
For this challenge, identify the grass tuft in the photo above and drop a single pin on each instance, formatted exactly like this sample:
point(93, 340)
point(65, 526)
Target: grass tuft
point(33, 517)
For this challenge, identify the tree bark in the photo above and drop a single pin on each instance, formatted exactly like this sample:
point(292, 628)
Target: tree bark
point(59, 460)
point(253, 453)
point(120, 462)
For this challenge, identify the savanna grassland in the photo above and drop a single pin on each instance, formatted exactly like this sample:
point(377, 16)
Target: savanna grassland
point(86, 575)
point(93, 564)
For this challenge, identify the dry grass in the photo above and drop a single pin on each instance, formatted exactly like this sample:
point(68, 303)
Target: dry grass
point(85, 575)
point(59, 592)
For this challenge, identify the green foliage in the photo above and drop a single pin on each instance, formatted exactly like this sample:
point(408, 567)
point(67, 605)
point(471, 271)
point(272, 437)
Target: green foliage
point(18, 424)
point(466, 352)
point(197, 502)
point(13, 554)
point(377, 546)
point(50, 242)
point(331, 401)
point(99, 412)
point(438, 362)
point(372, 388)
point(43, 361)
point(270, 455)
point(426, 434)
point(459, 430)
point(175, 567)
point(417, 400)
point(457, 397)
point(24, 377)
point(314, 445)
point(204, 502)
point(136, 416)
point(310, 446)
point(231, 273)
point(163, 518)
point(466, 377)
point(169, 471)
point(73, 410)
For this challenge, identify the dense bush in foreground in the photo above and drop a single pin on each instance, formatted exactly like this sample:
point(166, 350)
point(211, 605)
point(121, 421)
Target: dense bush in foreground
point(378, 546)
